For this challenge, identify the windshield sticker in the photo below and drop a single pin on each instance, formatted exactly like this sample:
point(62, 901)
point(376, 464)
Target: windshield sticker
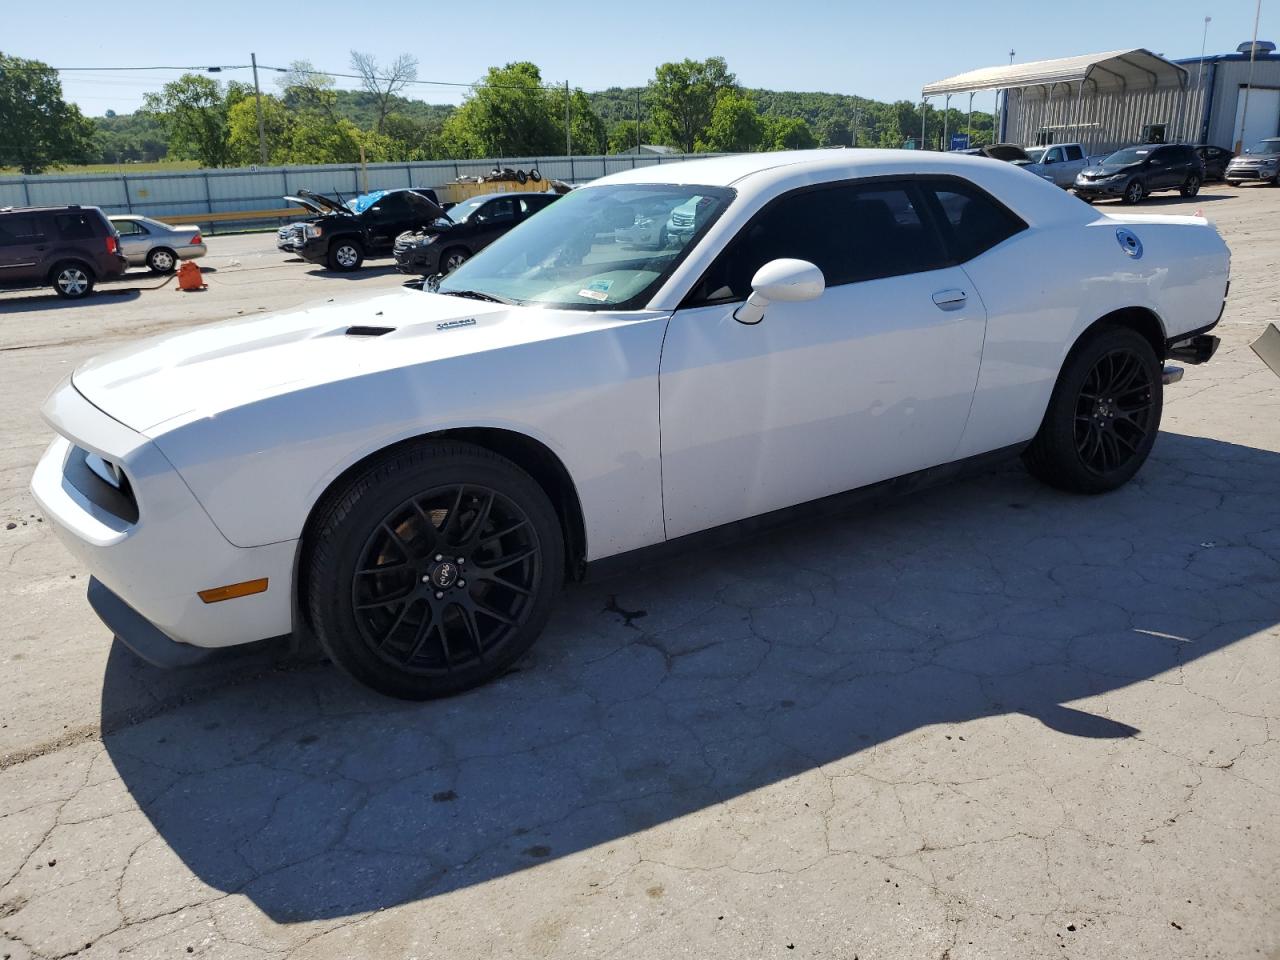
point(596, 290)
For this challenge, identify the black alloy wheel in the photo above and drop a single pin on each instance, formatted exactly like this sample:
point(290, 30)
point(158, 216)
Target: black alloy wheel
point(1114, 411)
point(1191, 187)
point(1103, 415)
point(1134, 192)
point(445, 579)
point(433, 569)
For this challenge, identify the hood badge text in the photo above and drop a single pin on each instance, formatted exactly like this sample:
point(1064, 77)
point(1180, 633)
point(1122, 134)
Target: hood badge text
point(453, 324)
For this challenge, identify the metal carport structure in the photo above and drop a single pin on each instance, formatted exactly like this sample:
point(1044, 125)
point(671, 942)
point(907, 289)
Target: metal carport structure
point(1103, 100)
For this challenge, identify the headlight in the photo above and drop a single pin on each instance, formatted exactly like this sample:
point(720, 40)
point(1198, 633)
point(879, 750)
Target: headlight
point(311, 230)
point(1270, 161)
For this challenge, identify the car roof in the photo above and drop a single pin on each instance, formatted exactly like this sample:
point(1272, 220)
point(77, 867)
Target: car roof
point(63, 208)
point(1031, 196)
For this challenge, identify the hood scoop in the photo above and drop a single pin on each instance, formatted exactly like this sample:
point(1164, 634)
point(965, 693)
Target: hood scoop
point(365, 331)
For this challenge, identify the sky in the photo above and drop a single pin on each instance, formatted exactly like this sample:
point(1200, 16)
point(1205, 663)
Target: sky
point(883, 50)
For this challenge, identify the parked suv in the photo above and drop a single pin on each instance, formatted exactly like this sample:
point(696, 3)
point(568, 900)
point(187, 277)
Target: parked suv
point(469, 227)
point(67, 248)
point(1135, 172)
point(1261, 161)
point(342, 235)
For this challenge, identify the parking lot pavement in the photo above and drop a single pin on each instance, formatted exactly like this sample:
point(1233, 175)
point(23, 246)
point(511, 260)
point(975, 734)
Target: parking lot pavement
point(985, 721)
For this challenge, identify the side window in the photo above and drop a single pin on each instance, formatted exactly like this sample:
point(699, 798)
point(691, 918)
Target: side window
point(977, 221)
point(15, 230)
point(128, 228)
point(1054, 155)
point(851, 232)
point(530, 205)
point(74, 226)
point(496, 210)
point(1075, 152)
point(389, 206)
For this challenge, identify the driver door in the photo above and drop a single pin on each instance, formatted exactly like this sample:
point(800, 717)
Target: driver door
point(872, 380)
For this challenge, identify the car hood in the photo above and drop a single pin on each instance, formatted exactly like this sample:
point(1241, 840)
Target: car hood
point(159, 384)
point(1103, 170)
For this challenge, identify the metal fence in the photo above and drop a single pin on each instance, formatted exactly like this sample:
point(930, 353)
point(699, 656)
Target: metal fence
point(194, 192)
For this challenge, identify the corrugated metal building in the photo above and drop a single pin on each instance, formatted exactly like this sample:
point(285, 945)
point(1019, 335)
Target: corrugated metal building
point(1223, 79)
point(1109, 100)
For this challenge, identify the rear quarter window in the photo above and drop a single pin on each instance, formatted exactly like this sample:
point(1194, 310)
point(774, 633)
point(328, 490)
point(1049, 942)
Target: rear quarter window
point(77, 226)
point(975, 221)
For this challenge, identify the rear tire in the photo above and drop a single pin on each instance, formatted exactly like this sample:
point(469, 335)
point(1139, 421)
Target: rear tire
point(162, 260)
point(72, 279)
point(433, 569)
point(1191, 187)
point(345, 255)
point(1103, 415)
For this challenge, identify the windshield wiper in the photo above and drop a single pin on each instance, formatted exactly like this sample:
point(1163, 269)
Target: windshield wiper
point(475, 295)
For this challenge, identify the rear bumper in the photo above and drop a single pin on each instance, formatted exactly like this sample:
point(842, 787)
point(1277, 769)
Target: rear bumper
point(156, 557)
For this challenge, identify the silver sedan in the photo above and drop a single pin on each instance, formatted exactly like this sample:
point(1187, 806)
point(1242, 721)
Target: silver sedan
point(157, 245)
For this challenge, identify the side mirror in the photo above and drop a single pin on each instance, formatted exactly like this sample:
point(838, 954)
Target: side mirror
point(784, 281)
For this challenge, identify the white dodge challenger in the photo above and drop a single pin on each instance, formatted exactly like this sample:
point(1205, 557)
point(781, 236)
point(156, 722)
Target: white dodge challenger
point(412, 477)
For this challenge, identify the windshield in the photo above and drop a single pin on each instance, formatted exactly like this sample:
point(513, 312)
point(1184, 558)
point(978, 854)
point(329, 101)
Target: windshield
point(460, 211)
point(363, 202)
point(1265, 147)
point(1035, 155)
point(1127, 156)
point(597, 248)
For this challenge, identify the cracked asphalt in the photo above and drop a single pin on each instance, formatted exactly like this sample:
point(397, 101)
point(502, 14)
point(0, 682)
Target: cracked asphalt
point(987, 720)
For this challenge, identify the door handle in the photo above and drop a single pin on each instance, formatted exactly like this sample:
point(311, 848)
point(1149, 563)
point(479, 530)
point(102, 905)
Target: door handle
point(950, 299)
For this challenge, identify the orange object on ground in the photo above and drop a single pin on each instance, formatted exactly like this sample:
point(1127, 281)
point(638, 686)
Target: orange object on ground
point(189, 277)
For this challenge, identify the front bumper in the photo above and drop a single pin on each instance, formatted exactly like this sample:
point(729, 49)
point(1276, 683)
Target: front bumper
point(1251, 173)
point(421, 260)
point(156, 553)
point(1100, 188)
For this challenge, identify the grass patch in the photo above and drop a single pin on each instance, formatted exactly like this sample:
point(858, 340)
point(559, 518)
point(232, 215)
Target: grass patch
point(160, 166)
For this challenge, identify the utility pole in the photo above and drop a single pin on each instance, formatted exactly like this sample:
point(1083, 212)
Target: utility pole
point(257, 102)
point(924, 110)
point(568, 131)
point(637, 121)
point(1253, 50)
point(1204, 37)
point(970, 134)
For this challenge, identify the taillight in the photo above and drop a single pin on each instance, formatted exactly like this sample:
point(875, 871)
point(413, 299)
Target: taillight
point(111, 245)
point(196, 239)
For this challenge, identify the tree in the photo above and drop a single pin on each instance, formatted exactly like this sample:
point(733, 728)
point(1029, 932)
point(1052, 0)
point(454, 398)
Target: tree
point(318, 129)
point(193, 110)
point(384, 84)
point(735, 126)
point(589, 136)
point(38, 129)
point(242, 131)
point(684, 96)
point(835, 133)
point(622, 136)
point(411, 139)
point(788, 133)
point(508, 114)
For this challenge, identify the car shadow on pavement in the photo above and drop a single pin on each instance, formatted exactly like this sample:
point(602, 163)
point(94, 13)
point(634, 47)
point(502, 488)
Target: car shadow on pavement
point(51, 301)
point(666, 692)
point(364, 273)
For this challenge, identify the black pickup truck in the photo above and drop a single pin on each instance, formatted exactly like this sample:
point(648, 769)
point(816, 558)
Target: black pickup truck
point(341, 235)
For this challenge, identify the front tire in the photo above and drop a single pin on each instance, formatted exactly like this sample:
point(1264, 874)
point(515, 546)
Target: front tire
point(1103, 415)
point(1134, 192)
point(452, 259)
point(72, 280)
point(1191, 187)
point(162, 260)
point(345, 255)
point(433, 570)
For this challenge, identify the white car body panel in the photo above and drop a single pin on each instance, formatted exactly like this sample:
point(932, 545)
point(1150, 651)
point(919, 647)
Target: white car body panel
point(749, 413)
point(231, 433)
